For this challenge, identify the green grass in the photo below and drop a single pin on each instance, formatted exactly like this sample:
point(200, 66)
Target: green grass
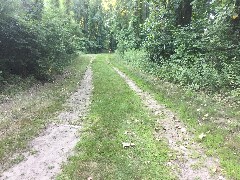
point(28, 114)
point(218, 119)
point(117, 115)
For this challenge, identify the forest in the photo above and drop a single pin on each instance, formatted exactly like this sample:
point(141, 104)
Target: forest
point(128, 89)
point(188, 42)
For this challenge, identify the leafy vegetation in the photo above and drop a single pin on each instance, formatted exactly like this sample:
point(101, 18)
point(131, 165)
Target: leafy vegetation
point(194, 43)
point(38, 37)
point(36, 44)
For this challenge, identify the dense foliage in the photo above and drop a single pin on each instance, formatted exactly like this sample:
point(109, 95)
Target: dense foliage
point(191, 42)
point(38, 37)
point(33, 42)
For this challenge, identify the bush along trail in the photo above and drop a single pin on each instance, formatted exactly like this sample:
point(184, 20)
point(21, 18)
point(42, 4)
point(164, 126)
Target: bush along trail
point(56, 142)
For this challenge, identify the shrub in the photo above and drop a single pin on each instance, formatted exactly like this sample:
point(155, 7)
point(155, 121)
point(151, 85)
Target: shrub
point(37, 47)
point(198, 75)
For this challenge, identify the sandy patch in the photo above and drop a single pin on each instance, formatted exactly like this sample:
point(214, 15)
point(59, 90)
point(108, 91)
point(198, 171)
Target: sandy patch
point(49, 151)
point(77, 105)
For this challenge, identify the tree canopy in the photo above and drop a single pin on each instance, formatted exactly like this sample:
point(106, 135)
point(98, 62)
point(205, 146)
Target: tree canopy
point(193, 42)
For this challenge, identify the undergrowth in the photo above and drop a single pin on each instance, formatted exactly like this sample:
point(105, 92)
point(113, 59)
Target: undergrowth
point(198, 75)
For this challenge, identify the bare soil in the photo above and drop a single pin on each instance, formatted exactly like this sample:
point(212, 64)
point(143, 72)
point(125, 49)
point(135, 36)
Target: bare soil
point(77, 105)
point(191, 162)
point(52, 148)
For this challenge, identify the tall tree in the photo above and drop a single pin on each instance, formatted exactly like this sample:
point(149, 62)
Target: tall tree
point(81, 12)
point(56, 3)
point(34, 8)
point(236, 16)
point(38, 6)
point(184, 13)
point(68, 6)
point(8, 7)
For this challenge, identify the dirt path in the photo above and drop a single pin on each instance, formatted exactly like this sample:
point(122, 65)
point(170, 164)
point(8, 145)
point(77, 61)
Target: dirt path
point(77, 105)
point(191, 162)
point(51, 149)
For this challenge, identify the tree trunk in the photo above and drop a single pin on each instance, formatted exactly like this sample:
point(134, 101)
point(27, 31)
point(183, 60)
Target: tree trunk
point(85, 17)
point(56, 3)
point(68, 6)
point(236, 18)
point(184, 13)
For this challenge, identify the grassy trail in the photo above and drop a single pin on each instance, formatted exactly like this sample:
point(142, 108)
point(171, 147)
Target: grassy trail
point(204, 117)
point(122, 136)
point(27, 114)
point(118, 137)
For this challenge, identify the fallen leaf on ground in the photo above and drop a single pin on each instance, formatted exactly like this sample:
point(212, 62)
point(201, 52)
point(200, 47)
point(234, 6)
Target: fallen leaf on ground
point(201, 136)
point(126, 132)
point(178, 127)
point(206, 115)
point(214, 169)
point(127, 145)
point(132, 144)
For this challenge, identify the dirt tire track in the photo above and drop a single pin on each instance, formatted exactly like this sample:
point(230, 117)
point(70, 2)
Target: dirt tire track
point(53, 147)
point(170, 128)
point(78, 103)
